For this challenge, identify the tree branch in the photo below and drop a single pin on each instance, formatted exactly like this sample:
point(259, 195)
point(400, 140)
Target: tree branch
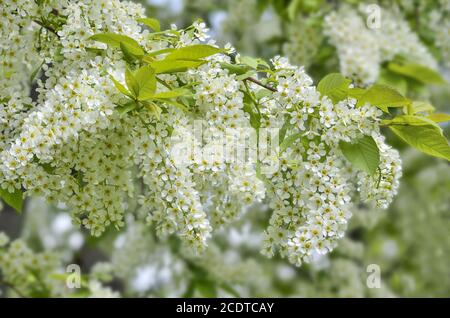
point(47, 27)
point(253, 80)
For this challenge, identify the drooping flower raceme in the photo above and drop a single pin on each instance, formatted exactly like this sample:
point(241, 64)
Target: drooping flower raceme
point(361, 49)
point(90, 140)
point(311, 192)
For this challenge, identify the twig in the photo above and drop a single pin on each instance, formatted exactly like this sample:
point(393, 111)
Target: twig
point(49, 28)
point(253, 80)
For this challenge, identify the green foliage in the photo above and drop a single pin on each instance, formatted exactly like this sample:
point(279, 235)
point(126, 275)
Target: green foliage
point(417, 72)
point(363, 153)
point(251, 108)
point(132, 83)
point(113, 40)
point(393, 80)
point(383, 97)
point(131, 53)
point(14, 199)
point(193, 52)
point(422, 107)
point(335, 86)
point(153, 24)
point(439, 118)
point(121, 88)
point(177, 92)
point(410, 120)
point(427, 138)
point(254, 63)
point(146, 79)
point(36, 71)
point(174, 66)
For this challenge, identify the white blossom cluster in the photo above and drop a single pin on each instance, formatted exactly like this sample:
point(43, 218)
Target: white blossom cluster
point(304, 40)
point(19, 58)
point(183, 194)
point(72, 146)
point(361, 49)
point(25, 270)
point(68, 148)
point(30, 274)
point(311, 192)
point(150, 266)
point(440, 25)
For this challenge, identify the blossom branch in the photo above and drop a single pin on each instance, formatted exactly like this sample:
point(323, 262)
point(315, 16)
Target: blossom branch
point(47, 27)
point(253, 80)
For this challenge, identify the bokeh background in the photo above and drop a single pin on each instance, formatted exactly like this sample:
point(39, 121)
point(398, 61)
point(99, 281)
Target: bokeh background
point(409, 242)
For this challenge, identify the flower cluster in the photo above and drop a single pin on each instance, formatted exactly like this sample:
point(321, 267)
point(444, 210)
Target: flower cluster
point(304, 40)
point(361, 49)
point(25, 270)
point(311, 192)
point(73, 144)
point(440, 24)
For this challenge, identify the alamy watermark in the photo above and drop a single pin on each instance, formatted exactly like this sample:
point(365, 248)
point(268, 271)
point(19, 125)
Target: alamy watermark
point(214, 147)
point(374, 276)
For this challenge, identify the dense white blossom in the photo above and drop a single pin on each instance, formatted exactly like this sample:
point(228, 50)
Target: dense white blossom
point(72, 146)
point(361, 49)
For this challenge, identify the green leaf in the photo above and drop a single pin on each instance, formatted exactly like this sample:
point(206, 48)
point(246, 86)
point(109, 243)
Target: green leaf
point(174, 66)
point(120, 87)
point(146, 80)
point(156, 53)
point(174, 103)
point(383, 97)
point(154, 109)
point(418, 72)
point(426, 138)
point(262, 93)
point(151, 23)
point(236, 69)
point(356, 92)
point(95, 51)
point(36, 71)
point(131, 53)
point(420, 107)
point(177, 92)
point(193, 52)
point(128, 107)
point(255, 117)
point(14, 199)
point(246, 75)
point(393, 80)
point(293, 8)
point(132, 84)
point(335, 86)
point(411, 120)
point(250, 61)
point(363, 154)
point(114, 40)
point(439, 118)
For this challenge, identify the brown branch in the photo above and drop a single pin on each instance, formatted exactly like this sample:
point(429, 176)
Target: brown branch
point(253, 80)
point(47, 27)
